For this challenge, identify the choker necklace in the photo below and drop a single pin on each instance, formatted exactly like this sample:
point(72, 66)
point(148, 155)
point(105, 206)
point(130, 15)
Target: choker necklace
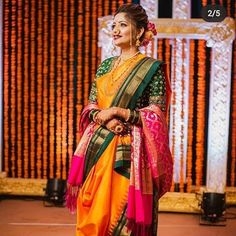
point(129, 57)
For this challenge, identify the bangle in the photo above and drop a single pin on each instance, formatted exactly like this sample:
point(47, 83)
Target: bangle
point(93, 114)
point(134, 117)
point(129, 113)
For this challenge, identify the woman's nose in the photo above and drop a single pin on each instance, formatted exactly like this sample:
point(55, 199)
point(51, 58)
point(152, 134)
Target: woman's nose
point(116, 30)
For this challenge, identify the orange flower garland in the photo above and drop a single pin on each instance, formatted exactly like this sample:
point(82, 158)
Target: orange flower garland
point(6, 86)
point(58, 88)
point(39, 79)
point(200, 112)
point(70, 81)
point(51, 91)
point(13, 89)
point(64, 90)
point(26, 79)
point(45, 62)
point(19, 89)
point(190, 119)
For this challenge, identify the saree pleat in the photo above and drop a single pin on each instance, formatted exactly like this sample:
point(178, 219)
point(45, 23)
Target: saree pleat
point(108, 189)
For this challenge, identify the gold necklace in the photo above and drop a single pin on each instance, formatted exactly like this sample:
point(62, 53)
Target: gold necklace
point(117, 63)
point(112, 86)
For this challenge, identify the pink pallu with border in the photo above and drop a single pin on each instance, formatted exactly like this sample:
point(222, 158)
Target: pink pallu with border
point(75, 177)
point(151, 163)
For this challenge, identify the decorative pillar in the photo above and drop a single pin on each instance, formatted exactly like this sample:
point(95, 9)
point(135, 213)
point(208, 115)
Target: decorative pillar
point(151, 8)
point(220, 38)
point(180, 91)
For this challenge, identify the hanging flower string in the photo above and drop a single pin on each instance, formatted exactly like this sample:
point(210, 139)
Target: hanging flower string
point(149, 34)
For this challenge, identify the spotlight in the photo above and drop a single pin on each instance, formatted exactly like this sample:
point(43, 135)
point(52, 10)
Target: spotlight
point(55, 192)
point(213, 207)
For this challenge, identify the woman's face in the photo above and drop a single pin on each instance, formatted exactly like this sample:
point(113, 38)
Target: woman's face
point(123, 31)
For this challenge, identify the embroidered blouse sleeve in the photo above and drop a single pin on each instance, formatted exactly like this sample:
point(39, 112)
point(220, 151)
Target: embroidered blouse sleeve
point(103, 68)
point(155, 93)
point(158, 89)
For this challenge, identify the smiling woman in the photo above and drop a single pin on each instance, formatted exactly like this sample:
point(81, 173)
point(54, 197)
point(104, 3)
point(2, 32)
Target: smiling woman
point(123, 165)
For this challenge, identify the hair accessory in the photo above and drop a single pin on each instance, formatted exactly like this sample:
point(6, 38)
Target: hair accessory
point(149, 33)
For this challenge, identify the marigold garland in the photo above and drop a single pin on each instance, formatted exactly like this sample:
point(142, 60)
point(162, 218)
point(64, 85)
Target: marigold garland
point(64, 89)
point(26, 81)
point(13, 100)
point(45, 122)
point(70, 81)
point(190, 119)
point(6, 85)
point(19, 88)
point(39, 79)
point(58, 88)
point(51, 91)
point(33, 57)
point(201, 56)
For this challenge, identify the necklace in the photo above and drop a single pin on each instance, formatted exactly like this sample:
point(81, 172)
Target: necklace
point(117, 63)
point(115, 82)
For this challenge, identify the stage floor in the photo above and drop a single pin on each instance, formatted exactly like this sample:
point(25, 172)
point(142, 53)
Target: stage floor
point(29, 217)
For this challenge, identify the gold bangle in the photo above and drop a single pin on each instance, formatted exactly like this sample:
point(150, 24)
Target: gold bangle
point(129, 113)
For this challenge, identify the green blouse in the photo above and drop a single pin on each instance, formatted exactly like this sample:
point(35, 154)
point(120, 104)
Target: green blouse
point(155, 93)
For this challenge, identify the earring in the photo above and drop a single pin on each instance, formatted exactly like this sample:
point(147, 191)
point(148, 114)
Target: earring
point(137, 42)
point(113, 48)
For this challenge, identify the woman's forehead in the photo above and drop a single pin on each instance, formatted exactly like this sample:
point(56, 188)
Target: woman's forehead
point(121, 17)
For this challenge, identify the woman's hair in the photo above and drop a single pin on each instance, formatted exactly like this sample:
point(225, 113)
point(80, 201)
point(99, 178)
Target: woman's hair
point(136, 14)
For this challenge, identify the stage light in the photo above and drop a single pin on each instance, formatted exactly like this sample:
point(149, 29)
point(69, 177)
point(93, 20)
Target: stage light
point(213, 207)
point(55, 192)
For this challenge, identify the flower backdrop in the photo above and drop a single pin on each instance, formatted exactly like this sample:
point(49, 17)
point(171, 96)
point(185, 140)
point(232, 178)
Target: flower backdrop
point(50, 58)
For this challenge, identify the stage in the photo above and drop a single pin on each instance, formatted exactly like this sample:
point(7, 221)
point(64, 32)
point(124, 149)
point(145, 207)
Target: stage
point(29, 217)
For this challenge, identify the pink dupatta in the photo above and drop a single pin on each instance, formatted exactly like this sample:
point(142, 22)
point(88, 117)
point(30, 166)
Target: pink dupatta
point(151, 162)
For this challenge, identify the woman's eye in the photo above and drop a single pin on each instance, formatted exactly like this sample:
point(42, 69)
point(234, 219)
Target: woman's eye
point(113, 26)
point(123, 24)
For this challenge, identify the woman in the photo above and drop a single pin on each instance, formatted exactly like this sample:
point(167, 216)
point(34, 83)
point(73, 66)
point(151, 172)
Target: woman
point(122, 164)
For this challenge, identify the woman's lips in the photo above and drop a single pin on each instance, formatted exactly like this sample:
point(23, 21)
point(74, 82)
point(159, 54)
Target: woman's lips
point(116, 37)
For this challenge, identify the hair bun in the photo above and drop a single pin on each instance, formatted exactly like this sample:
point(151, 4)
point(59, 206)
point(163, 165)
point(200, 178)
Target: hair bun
point(149, 33)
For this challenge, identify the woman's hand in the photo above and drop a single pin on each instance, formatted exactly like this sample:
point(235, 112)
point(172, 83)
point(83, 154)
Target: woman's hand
point(106, 115)
point(113, 112)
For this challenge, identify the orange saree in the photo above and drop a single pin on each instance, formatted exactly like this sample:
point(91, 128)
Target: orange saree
point(113, 171)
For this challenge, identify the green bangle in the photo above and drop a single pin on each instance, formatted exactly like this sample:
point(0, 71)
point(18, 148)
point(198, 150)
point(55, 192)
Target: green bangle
point(92, 114)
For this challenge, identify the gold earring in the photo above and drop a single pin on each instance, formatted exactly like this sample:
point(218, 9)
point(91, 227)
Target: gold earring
point(113, 48)
point(137, 42)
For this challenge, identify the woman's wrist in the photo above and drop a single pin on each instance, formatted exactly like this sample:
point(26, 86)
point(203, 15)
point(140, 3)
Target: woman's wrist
point(122, 113)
